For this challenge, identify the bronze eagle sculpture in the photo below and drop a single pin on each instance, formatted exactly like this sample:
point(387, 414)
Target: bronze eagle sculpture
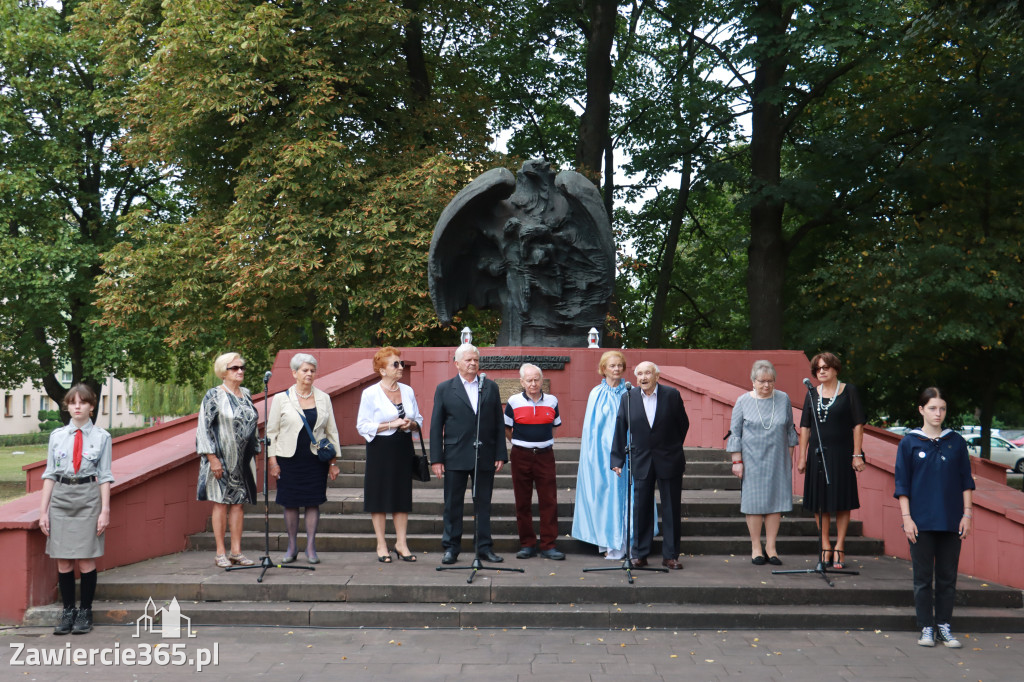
point(534, 245)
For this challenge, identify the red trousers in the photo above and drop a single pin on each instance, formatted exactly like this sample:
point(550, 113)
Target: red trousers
point(535, 467)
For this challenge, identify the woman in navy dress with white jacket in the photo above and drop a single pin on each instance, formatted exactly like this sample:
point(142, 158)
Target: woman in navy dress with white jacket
point(293, 460)
point(934, 486)
point(388, 414)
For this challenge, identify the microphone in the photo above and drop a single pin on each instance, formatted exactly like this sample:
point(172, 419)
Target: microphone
point(807, 383)
point(482, 375)
point(266, 377)
point(629, 387)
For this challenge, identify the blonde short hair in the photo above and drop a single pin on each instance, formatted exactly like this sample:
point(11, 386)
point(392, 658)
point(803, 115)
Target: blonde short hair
point(220, 365)
point(608, 355)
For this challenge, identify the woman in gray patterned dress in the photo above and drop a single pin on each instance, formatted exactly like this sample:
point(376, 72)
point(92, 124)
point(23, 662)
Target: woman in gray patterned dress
point(760, 436)
point(227, 445)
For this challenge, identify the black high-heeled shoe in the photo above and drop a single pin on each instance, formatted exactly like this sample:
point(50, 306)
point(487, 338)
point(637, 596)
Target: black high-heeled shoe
point(840, 559)
point(386, 559)
point(405, 557)
point(826, 558)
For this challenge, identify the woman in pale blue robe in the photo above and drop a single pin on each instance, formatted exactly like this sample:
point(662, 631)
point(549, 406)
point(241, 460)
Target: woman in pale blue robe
point(599, 515)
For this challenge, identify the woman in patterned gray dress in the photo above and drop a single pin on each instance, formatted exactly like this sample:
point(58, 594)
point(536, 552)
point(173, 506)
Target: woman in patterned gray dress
point(761, 435)
point(227, 445)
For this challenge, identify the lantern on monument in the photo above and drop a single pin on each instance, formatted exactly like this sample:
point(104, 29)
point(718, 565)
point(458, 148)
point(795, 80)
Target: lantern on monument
point(466, 336)
point(592, 338)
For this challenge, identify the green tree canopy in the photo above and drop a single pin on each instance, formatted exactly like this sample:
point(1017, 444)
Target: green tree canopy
point(318, 142)
point(64, 187)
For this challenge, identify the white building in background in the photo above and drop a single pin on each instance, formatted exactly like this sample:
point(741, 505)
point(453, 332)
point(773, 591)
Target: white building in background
point(21, 407)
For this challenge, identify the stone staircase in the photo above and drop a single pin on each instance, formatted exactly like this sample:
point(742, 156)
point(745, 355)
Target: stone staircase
point(719, 587)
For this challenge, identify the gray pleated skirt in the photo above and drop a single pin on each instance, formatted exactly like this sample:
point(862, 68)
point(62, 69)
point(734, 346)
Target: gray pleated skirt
point(74, 510)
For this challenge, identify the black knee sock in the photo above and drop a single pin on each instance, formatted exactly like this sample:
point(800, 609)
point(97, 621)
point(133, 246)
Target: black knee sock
point(88, 588)
point(66, 585)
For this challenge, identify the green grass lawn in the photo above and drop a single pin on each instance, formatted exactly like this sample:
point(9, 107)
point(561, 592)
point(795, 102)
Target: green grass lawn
point(12, 478)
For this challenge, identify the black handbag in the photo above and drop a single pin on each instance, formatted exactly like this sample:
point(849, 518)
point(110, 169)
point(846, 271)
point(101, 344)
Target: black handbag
point(324, 448)
point(420, 464)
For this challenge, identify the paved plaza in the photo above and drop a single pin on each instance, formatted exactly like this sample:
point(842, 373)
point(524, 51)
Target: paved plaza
point(306, 654)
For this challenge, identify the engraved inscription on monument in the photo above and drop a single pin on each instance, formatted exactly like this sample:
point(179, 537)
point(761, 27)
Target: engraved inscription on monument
point(516, 361)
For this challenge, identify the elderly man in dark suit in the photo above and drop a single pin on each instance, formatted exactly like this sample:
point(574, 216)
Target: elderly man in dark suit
point(656, 422)
point(452, 438)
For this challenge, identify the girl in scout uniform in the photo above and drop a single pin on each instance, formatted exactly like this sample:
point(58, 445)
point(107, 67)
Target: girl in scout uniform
point(75, 508)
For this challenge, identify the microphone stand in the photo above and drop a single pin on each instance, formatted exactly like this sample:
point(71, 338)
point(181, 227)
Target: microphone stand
point(820, 568)
point(477, 565)
point(265, 562)
point(627, 562)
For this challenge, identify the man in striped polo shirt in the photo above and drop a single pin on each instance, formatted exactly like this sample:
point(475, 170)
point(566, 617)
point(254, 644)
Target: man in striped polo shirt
point(530, 418)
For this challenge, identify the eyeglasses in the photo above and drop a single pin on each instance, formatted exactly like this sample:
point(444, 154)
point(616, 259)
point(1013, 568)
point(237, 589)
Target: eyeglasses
point(398, 363)
point(236, 368)
point(764, 381)
point(822, 368)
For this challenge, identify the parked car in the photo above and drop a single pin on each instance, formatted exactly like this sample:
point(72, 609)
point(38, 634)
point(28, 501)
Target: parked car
point(1001, 450)
point(975, 430)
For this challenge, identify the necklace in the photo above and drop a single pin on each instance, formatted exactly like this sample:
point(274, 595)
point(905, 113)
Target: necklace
point(304, 397)
point(232, 391)
point(824, 408)
point(757, 404)
point(392, 390)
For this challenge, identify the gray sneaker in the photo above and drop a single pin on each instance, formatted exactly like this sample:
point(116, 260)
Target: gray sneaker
point(947, 638)
point(927, 637)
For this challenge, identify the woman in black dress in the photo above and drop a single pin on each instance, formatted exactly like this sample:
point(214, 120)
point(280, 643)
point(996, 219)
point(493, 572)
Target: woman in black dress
point(388, 414)
point(301, 476)
point(837, 408)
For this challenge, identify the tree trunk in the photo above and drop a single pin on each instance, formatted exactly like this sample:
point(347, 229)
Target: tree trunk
point(593, 131)
point(412, 49)
point(655, 333)
point(766, 270)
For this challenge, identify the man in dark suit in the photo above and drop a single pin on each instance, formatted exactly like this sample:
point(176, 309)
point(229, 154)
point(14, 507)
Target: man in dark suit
point(452, 450)
point(657, 424)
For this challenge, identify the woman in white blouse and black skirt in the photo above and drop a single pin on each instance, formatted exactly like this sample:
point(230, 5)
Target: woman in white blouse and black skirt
point(388, 414)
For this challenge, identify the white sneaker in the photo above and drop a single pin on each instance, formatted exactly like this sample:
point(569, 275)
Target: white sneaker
point(927, 637)
point(947, 638)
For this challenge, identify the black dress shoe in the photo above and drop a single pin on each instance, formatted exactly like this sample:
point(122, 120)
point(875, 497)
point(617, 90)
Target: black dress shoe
point(489, 555)
point(526, 553)
point(672, 563)
point(775, 561)
point(758, 560)
point(83, 622)
point(552, 554)
point(449, 557)
point(639, 563)
point(67, 621)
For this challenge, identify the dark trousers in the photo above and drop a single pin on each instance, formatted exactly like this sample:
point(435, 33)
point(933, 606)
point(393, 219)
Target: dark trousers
point(671, 490)
point(935, 556)
point(535, 467)
point(455, 484)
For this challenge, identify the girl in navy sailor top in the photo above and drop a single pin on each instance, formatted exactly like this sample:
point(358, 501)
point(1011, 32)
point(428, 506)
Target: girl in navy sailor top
point(934, 487)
